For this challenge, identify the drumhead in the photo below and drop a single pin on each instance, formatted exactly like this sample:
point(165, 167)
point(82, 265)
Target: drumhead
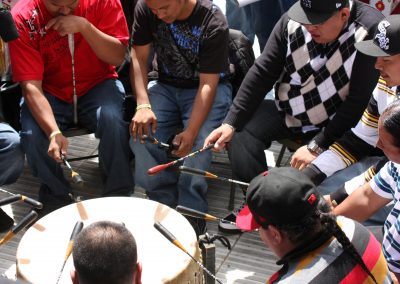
point(42, 249)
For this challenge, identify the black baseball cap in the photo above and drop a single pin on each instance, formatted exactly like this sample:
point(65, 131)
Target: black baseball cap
point(313, 12)
point(281, 196)
point(386, 40)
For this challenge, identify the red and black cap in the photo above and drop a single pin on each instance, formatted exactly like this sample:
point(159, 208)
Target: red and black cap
point(282, 196)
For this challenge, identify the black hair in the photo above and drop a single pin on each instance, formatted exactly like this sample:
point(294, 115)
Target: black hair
point(105, 252)
point(391, 121)
point(323, 221)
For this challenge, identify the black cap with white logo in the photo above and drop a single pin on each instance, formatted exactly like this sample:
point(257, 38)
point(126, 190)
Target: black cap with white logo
point(386, 40)
point(314, 12)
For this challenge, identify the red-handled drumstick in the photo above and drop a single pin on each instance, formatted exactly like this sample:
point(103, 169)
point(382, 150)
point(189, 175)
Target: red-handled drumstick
point(167, 234)
point(23, 198)
point(26, 221)
point(159, 168)
point(77, 229)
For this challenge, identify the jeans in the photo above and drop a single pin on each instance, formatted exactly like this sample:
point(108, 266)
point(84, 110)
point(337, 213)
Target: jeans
point(11, 155)
point(258, 18)
point(172, 107)
point(100, 110)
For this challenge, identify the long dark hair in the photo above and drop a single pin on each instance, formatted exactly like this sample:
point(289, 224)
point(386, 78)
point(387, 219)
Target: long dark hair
point(323, 221)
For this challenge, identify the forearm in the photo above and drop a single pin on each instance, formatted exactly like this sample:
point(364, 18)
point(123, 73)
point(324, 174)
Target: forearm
point(202, 105)
point(361, 204)
point(107, 48)
point(39, 106)
point(138, 73)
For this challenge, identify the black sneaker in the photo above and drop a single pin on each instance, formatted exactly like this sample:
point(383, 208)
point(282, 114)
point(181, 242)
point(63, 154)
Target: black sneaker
point(199, 225)
point(227, 227)
point(6, 222)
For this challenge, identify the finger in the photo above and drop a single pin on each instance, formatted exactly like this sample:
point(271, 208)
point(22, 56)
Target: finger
point(50, 23)
point(154, 126)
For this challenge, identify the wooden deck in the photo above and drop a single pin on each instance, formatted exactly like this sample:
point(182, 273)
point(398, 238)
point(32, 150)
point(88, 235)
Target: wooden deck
point(249, 261)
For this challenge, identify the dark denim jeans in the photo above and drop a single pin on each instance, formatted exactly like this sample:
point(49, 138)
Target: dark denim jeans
point(99, 110)
point(172, 107)
point(11, 156)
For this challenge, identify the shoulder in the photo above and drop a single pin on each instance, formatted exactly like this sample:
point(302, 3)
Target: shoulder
point(365, 15)
point(211, 14)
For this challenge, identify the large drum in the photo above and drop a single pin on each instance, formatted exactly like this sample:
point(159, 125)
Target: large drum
point(42, 249)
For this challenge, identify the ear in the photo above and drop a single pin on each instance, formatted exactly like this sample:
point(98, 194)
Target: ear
point(276, 236)
point(138, 273)
point(345, 14)
point(74, 276)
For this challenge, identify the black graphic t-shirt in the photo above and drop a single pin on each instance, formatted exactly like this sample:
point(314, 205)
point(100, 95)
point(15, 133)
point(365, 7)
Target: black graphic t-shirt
point(185, 48)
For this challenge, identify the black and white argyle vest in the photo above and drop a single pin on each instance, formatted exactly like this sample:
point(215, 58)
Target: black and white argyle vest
point(316, 77)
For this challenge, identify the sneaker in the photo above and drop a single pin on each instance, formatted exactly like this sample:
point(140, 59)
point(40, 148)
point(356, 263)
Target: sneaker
point(199, 225)
point(227, 227)
point(6, 222)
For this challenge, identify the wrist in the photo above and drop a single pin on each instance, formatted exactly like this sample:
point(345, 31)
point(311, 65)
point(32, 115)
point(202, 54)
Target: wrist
point(143, 106)
point(314, 148)
point(230, 126)
point(54, 134)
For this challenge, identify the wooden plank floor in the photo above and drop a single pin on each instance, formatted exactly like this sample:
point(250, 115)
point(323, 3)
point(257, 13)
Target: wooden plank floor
point(249, 261)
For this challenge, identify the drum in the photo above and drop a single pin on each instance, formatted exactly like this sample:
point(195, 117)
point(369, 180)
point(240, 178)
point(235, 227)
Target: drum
point(41, 251)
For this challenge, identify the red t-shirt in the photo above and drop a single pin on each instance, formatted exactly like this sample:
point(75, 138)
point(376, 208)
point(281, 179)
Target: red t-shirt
point(44, 55)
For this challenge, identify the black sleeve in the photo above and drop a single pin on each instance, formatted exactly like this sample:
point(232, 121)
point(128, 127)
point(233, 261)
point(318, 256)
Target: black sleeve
point(364, 78)
point(261, 77)
point(141, 30)
point(214, 47)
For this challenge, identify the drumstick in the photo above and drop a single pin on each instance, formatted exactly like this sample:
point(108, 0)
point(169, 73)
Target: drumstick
point(209, 175)
point(197, 214)
point(159, 168)
point(76, 178)
point(24, 198)
point(156, 142)
point(177, 243)
point(26, 221)
point(77, 229)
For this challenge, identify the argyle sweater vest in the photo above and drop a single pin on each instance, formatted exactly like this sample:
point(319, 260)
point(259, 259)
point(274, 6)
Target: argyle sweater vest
point(316, 77)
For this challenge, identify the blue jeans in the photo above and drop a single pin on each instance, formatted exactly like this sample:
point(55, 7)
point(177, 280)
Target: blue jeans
point(100, 110)
point(258, 18)
point(11, 155)
point(172, 107)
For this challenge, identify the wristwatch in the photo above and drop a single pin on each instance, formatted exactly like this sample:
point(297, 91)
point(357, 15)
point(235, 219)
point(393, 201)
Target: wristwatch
point(314, 148)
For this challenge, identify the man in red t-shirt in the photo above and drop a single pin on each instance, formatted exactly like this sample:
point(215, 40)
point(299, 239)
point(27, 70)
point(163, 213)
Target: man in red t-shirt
point(65, 63)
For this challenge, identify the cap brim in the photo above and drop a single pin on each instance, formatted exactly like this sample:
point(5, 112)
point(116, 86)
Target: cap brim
point(298, 14)
point(245, 220)
point(368, 47)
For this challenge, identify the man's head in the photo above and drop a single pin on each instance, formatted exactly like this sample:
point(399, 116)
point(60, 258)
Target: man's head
point(171, 10)
point(105, 252)
point(389, 132)
point(323, 19)
point(385, 45)
point(61, 7)
point(281, 200)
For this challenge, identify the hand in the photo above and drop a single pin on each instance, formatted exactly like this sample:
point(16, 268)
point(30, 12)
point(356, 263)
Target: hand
point(67, 24)
point(302, 158)
point(184, 141)
point(328, 201)
point(141, 122)
point(58, 145)
point(220, 137)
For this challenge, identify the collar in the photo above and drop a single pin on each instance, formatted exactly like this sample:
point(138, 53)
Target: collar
point(305, 247)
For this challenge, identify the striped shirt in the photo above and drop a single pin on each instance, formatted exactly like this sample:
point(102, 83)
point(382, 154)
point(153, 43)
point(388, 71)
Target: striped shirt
point(329, 263)
point(387, 185)
point(360, 140)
